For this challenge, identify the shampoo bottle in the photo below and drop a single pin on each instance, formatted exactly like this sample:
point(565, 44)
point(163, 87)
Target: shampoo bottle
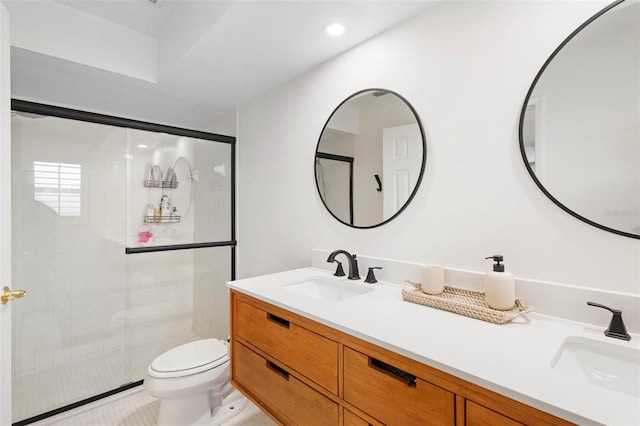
point(499, 287)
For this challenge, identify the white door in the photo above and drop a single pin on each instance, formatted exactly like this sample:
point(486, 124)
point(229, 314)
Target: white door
point(5, 218)
point(401, 162)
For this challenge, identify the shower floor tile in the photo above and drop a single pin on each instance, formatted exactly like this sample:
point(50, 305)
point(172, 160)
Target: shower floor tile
point(137, 408)
point(43, 391)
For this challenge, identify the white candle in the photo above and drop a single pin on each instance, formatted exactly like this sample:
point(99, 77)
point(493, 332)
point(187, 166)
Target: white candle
point(432, 279)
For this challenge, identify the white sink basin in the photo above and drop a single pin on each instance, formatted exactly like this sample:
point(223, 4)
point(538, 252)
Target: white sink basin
point(611, 366)
point(327, 289)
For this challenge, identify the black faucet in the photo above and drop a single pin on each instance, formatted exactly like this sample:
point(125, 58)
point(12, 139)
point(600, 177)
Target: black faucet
point(616, 326)
point(371, 276)
point(353, 263)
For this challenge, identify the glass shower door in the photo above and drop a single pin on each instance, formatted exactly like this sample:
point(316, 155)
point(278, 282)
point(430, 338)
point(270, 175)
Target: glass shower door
point(178, 243)
point(68, 203)
point(124, 240)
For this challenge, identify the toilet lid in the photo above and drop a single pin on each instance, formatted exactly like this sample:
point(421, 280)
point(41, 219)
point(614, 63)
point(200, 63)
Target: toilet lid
point(191, 358)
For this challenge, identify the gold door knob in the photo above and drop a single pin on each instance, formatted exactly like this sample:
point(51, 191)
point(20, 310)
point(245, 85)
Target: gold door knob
point(8, 294)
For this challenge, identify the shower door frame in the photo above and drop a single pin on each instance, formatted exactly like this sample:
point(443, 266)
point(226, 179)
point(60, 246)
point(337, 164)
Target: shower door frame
point(343, 159)
point(104, 119)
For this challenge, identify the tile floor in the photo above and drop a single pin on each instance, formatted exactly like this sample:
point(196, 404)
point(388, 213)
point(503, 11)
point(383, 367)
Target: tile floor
point(43, 391)
point(137, 408)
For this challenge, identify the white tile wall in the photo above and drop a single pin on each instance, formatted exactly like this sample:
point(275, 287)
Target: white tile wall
point(210, 294)
point(88, 304)
point(63, 262)
point(160, 150)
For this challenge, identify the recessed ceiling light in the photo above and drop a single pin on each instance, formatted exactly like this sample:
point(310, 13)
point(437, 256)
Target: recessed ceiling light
point(142, 146)
point(335, 29)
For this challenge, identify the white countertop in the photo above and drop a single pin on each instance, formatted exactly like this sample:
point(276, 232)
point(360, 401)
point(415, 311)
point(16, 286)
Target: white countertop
point(513, 359)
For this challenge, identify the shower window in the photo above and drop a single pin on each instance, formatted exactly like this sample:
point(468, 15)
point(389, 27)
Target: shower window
point(109, 289)
point(57, 185)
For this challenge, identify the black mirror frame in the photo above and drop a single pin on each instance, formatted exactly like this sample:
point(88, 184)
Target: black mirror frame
point(422, 167)
point(521, 126)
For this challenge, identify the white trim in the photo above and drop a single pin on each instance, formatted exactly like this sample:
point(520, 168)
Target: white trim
point(5, 216)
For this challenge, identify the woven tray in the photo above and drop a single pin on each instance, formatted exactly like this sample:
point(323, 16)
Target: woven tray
point(464, 302)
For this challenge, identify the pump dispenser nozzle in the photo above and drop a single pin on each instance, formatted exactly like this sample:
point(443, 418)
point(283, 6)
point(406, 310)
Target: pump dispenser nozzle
point(497, 267)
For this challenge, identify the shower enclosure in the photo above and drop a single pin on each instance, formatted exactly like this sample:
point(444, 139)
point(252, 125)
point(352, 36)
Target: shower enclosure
point(123, 238)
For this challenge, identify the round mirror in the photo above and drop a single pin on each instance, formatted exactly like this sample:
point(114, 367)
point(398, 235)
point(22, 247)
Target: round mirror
point(580, 122)
point(370, 158)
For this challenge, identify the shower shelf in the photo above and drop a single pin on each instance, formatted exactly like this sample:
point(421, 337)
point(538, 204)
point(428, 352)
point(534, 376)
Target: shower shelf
point(161, 219)
point(160, 184)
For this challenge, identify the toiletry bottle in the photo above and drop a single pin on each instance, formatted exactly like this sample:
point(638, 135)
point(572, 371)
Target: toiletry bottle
point(499, 287)
point(165, 206)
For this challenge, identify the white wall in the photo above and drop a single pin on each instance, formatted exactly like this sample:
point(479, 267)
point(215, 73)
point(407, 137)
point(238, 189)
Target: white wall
point(465, 67)
point(224, 124)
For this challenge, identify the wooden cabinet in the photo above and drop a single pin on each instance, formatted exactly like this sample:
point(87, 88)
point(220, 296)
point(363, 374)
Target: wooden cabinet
point(309, 353)
point(304, 373)
point(351, 419)
point(281, 392)
point(392, 395)
point(477, 415)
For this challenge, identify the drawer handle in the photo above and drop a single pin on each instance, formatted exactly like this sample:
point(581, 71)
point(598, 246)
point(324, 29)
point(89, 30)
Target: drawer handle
point(279, 370)
point(399, 374)
point(283, 322)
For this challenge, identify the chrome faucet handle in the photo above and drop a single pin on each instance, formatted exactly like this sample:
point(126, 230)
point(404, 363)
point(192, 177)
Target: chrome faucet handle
point(616, 328)
point(339, 271)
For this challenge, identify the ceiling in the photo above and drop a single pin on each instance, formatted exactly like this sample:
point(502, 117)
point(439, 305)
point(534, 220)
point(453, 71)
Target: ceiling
point(208, 55)
point(146, 16)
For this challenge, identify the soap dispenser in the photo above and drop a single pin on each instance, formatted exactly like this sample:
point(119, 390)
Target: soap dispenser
point(499, 287)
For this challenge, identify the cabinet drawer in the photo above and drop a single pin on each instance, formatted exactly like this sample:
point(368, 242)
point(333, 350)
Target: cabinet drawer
point(310, 354)
point(393, 396)
point(281, 392)
point(351, 419)
point(477, 415)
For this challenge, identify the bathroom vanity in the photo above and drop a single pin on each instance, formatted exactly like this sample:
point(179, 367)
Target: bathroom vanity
point(309, 354)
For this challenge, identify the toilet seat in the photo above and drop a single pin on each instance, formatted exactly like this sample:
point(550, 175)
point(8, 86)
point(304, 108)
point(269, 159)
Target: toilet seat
point(190, 358)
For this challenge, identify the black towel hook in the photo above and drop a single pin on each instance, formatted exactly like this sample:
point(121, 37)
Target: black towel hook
point(379, 189)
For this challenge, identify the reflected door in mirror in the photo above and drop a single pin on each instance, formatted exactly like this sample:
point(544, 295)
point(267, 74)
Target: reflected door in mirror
point(401, 148)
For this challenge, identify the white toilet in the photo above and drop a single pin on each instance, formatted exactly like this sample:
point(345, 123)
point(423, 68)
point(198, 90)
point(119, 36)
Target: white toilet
point(192, 383)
